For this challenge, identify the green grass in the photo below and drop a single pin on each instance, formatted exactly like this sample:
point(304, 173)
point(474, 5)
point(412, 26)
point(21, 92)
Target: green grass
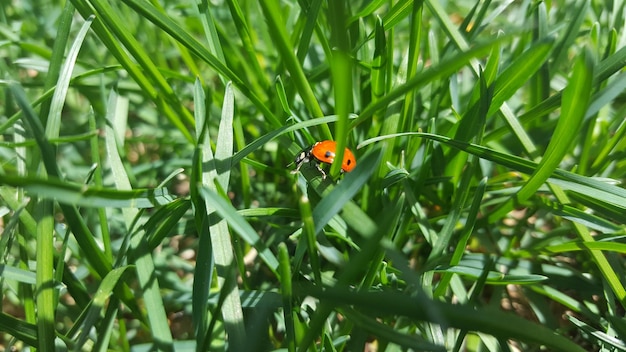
point(147, 201)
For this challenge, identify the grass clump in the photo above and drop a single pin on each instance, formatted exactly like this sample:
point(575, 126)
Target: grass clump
point(147, 204)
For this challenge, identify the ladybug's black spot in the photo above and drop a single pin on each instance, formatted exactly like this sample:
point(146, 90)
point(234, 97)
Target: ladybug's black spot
point(328, 154)
point(349, 161)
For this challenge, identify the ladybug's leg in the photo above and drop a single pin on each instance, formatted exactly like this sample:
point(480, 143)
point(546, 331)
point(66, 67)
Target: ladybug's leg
point(317, 165)
point(298, 165)
point(300, 159)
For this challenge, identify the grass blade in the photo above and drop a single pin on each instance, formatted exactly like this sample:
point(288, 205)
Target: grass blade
point(144, 264)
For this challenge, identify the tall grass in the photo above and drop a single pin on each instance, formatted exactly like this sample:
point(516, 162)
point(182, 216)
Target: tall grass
point(147, 201)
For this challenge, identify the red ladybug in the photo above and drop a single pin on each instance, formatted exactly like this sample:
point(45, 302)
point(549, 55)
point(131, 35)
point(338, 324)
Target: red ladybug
point(324, 152)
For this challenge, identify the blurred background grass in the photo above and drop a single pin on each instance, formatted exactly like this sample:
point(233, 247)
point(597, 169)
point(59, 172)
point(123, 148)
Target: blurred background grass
point(147, 202)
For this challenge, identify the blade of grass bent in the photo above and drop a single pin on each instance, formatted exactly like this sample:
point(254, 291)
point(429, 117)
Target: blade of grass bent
point(597, 256)
point(443, 69)
point(81, 232)
point(420, 308)
point(240, 225)
point(575, 103)
point(76, 194)
point(604, 193)
point(336, 199)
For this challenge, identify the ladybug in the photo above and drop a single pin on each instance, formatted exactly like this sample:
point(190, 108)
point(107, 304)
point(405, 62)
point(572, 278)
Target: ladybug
point(324, 152)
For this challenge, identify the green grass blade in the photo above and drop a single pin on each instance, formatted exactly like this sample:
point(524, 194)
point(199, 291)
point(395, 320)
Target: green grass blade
point(443, 69)
point(203, 274)
point(225, 139)
point(464, 238)
point(208, 23)
point(53, 122)
point(75, 194)
point(488, 320)
point(275, 22)
point(336, 199)
point(518, 73)
point(575, 103)
point(286, 291)
point(45, 227)
point(150, 290)
point(178, 33)
point(570, 34)
point(191, 190)
point(239, 225)
point(58, 53)
point(215, 176)
point(19, 329)
point(243, 28)
point(109, 24)
point(608, 273)
point(17, 274)
point(105, 290)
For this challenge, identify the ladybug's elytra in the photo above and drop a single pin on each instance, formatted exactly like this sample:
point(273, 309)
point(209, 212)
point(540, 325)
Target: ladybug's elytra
point(324, 152)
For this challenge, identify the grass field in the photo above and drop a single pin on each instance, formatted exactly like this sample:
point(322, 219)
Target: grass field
point(147, 200)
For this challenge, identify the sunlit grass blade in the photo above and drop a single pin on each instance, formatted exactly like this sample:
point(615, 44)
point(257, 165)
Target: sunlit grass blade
point(447, 106)
point(108, 25)
point(203, 275)
point(599, 335)
point(215, 178)
point(575, 103)
point(604, 266)
point(273, 16)
point(95, 309)
point(45, 297)
point(443, 69)
point(239, 225)
point(286, 291)
point(208, 23)
point(53, 121)
point(141, 253)
point(17, 274)
point(58, 53)
point(225, 139)
point(74, 194)
point(518, 73)
point(178, 33)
